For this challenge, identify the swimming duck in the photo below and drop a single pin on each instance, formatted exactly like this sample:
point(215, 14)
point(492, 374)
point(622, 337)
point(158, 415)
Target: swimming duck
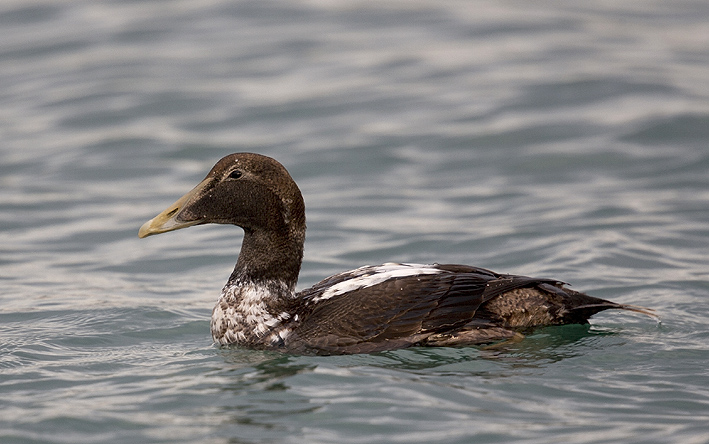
point(369, 309)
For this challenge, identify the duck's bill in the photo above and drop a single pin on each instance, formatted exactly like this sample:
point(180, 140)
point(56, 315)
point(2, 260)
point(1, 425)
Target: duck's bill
point(169, 220)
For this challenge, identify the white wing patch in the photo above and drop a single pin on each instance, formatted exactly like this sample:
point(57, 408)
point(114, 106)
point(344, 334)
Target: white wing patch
point(369, 275)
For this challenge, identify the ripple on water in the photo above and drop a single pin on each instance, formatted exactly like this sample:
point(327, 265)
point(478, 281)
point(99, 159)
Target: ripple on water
point(542, 139)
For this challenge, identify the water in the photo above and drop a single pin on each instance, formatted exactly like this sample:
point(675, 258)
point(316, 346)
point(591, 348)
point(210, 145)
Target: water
point(561, 139)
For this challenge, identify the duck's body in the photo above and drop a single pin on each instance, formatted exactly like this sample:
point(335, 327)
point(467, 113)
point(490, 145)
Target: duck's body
point(371, 308)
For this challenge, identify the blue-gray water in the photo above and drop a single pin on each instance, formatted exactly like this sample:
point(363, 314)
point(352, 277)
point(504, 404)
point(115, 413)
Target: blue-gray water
point(565, 139)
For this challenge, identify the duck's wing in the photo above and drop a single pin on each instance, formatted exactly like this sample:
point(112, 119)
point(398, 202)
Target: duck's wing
point(400, 311)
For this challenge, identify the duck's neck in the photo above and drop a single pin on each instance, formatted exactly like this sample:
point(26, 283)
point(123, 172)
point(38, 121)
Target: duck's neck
point(258, 297)
point(268, 258)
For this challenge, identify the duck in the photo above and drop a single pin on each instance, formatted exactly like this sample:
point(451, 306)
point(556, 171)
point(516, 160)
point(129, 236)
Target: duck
point(373, 308)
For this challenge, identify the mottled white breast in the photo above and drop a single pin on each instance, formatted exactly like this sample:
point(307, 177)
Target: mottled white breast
point(241, 315)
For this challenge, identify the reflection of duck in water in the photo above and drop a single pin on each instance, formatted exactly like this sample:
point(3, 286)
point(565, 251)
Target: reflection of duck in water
point(371, 308)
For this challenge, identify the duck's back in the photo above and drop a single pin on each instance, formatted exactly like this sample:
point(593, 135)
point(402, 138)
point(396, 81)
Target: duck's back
point(391, 306)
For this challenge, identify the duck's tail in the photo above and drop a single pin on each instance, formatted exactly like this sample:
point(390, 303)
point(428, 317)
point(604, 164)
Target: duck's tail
point(607, 305)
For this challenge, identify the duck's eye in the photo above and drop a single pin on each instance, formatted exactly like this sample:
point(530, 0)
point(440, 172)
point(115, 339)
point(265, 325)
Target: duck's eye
point(235, 174)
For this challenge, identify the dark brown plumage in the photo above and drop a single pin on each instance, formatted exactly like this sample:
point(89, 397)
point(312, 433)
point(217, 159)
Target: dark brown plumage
point(369, 309)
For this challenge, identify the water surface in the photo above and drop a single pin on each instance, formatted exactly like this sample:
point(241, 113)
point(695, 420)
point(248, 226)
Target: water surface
point(555, 139)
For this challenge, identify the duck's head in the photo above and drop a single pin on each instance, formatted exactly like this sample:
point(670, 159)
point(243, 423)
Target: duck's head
point(250, 190)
